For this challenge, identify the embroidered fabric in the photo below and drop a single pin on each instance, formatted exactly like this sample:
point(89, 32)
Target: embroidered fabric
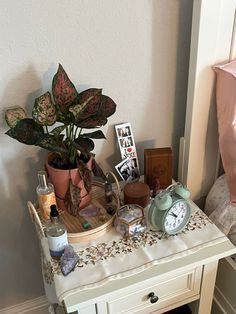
point(112, 257)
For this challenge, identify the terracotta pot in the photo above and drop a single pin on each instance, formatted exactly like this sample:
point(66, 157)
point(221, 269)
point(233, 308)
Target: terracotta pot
point(60, 179)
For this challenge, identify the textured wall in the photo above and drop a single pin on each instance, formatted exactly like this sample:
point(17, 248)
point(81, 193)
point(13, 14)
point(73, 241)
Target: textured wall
point(137, 51)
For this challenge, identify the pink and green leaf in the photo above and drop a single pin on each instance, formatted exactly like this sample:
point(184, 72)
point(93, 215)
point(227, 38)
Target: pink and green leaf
point(86, 174)
point(96, 135)
point(97, 170)
point(73, 198)
point(108, 106)
point(63, 90)
point(27, 131)
point(92, 122)
point(44, 111)
point(57, 131)
point(88, 104)
point(50, 143)
point(84, 145)
point(14, 115)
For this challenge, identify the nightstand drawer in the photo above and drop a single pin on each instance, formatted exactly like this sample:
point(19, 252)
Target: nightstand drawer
point(169, 290)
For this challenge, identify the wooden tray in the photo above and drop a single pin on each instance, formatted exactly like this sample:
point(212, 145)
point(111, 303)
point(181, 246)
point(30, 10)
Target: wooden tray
point(75, 230)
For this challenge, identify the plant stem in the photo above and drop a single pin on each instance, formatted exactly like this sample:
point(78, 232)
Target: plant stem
point(72, 152)
point(75, 132)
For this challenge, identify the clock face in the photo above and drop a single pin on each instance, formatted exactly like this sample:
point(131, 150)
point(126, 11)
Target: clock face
point(176, 217)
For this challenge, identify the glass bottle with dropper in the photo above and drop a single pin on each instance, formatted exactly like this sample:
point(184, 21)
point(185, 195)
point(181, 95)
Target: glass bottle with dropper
point(46, 194)
point(56, 233)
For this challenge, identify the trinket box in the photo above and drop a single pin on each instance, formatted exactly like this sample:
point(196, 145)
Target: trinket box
point(137, 193)
point(130, 220)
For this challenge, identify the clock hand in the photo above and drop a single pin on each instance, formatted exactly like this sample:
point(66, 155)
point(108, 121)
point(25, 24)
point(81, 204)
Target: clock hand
point(174, 215)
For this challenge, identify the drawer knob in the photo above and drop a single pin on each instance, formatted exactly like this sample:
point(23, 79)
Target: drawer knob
point(153, 298)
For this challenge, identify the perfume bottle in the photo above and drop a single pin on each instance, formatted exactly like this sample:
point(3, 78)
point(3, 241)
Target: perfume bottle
point(56, 233)
point(46, 195)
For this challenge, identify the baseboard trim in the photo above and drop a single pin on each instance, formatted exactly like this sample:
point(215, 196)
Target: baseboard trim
point(26, 307)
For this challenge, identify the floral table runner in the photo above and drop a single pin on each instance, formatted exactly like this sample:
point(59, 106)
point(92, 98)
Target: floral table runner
point(113, 257)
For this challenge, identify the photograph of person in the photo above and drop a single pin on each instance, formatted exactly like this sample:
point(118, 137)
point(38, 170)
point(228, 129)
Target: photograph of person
point(127, 147)
point(128, 169)
point(122, 132)
point(127, 131)
point(128, 141)
point(122, 142)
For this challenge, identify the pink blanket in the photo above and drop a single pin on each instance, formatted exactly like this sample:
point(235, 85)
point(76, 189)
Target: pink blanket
point(226, 114)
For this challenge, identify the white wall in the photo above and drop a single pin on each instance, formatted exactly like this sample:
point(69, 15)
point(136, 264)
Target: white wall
point(138, 51)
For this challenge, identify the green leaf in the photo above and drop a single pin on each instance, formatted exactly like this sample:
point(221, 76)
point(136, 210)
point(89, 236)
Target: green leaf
point(27, 131)
point(84, 145)
point(44, 111)
point(12, 116)
point(63, 90)
point(96, 134)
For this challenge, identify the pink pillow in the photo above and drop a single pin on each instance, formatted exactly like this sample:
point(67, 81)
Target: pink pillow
point(226, 115)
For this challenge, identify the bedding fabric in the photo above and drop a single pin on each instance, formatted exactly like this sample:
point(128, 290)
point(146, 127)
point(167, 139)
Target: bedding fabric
point(220, 209)
point(226, 116)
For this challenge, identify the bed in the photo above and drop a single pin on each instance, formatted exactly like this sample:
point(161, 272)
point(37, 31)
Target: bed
point(220, 203)
point(219, 208)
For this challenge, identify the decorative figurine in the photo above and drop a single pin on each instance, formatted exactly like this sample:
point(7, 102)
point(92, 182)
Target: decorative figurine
point(86, 224)
point(108, 191)
point(156, 186)
point(110, 211)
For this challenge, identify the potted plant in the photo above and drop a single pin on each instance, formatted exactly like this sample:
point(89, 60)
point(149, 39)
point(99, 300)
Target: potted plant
point(57, 124)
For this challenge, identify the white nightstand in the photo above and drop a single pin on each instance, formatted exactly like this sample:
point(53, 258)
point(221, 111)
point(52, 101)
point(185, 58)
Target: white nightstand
point(118, 277)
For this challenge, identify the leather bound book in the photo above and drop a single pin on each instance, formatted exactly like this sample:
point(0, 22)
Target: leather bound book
point(158, 167)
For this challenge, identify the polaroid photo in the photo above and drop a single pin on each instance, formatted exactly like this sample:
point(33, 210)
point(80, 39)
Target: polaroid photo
point(126, 142)
point(128, 169)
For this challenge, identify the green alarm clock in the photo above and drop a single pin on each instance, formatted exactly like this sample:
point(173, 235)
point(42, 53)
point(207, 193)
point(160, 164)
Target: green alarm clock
point(170, 210)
